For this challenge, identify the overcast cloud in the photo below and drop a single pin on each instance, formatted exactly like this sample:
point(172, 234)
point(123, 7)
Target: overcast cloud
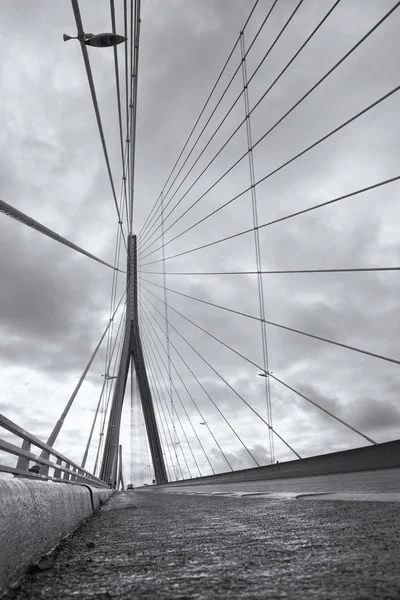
point(54, 302)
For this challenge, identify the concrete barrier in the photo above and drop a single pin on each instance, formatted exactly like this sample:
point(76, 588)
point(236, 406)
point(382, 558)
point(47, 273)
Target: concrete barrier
point(379, 456)
point(99, 496)
point(35, 516)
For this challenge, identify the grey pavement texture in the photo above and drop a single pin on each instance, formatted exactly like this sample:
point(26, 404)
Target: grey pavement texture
point(150, 545)
point(382, 481)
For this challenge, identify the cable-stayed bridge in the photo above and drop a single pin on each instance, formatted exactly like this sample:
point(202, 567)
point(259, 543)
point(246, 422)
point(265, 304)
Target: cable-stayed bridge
point(250, 331)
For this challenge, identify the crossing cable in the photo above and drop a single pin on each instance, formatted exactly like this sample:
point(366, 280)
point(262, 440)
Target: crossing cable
point(337, 64)
point(170, 464)
point(323, 409)
point(149, 333)
point(148, 233)
point(102, 393)
point(295, 271)
point(269, 223)
point(280, 326)
point(198, 326)
point(126, 92)
point(130, 79)
point(58, 426)
point(259, 101)
point(117, 83)
point(222, 379)
point(128, 105)
point(260, 288)
point(282, 166)
point(225, 117)
point(85, 54)
point(159, 407)
point(85, 454)
point(151, 347)
point(114, 286)
point(126, 65)
point(269, 374)
point(184, 384)
point(161, 396)
point(159, 390)
point(14, 213)
point(152, 328)
point(124, 151)
point(129, 98)
point(144, 226)
point(125, 177)
point(134, 95)
point(175, 465)
point(166, 318)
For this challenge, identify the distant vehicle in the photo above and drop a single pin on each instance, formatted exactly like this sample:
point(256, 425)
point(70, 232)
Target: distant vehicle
point(145, 484)
point(130, 486)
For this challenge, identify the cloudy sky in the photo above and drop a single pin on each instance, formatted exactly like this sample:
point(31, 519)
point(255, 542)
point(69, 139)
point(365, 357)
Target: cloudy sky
point(54, 302)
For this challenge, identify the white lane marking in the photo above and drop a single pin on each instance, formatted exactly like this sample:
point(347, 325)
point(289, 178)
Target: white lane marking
point(232, 494)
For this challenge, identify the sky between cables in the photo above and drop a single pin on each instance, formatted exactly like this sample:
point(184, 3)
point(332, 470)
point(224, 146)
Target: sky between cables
point(317, 182)
point(109, 347)
point(64, 168)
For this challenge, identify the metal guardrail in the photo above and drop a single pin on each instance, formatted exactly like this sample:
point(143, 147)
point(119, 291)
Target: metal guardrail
point(64, 469)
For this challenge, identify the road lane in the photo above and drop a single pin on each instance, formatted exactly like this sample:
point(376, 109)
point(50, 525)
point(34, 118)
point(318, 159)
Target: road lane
point(385, 482)
point(151, 545)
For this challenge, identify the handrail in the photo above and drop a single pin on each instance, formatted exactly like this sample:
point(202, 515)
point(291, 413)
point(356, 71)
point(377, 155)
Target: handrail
point(72, 472)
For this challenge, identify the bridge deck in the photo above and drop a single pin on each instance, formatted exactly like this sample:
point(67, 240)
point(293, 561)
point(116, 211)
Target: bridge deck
point(148, 544)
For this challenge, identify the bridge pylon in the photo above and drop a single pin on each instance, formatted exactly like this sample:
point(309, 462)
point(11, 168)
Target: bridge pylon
point(132, 351)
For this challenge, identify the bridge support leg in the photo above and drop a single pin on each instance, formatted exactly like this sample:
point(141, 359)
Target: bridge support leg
point(108, 471)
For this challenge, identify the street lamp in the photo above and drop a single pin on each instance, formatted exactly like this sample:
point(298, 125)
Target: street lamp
point(99, 40)
point(265, 374)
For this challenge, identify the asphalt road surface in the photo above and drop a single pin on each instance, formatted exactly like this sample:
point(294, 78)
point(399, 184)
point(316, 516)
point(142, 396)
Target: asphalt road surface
point(154, 544)
point(363, 485)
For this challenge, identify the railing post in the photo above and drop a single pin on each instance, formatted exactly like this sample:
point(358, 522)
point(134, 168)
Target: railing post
point(57, 472)
point(44, 469)
point(23, 463)
point(66, 475)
